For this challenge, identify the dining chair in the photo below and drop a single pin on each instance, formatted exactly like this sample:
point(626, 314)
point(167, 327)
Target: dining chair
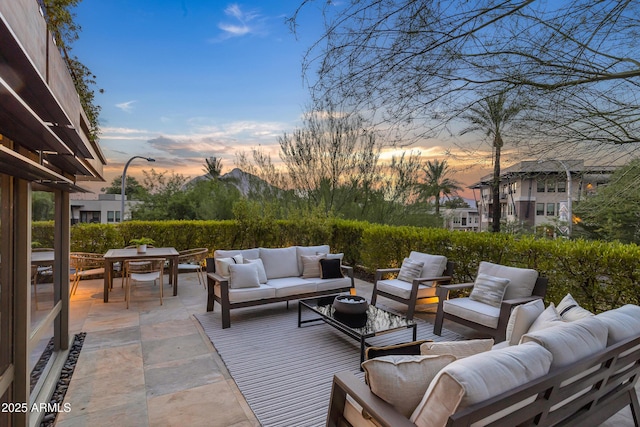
point(192, 260)
point(85, 264)
point(143, 270)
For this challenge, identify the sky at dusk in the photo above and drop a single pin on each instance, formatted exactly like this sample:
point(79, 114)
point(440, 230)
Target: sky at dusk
point(185, 80)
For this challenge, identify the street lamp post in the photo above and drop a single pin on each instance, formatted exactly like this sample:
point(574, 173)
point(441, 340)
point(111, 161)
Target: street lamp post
point(124, 178)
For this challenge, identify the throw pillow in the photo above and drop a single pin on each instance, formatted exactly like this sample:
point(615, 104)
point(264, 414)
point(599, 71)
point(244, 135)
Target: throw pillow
point(458, 349)
point(521, 319)
point(330, 269)
point(411, 348)
point(401, 381)
point(311, 265)
point(410, 270)
point(339, 256)
point(222, 264)
point(549, 317)
point(243, 276)
point(489, 289)
point(262, 274)
point(569, 310)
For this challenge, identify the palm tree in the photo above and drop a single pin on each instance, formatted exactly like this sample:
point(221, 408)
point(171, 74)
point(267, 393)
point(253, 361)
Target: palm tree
point(493, 116)
point(213, 167)
point(437, 183)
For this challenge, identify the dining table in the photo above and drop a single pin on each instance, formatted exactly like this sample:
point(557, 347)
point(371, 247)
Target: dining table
point(113, 256)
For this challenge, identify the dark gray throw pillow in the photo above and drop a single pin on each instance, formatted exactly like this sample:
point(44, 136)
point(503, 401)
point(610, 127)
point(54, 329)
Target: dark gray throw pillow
point(330, 269)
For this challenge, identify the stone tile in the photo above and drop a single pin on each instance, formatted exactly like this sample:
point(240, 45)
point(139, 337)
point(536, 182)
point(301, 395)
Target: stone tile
point(168, 329)
point(174, 348)
point(112, 338)
point(131, 414)
point(171, 311)
point(183, 374)
point(103, 323)
point(120, 362)
point(211, 405)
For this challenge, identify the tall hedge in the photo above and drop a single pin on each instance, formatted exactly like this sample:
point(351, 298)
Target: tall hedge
point(601, 275)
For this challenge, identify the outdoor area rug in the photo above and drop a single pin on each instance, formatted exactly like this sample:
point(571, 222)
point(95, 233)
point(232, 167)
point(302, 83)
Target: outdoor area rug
point(285, 372)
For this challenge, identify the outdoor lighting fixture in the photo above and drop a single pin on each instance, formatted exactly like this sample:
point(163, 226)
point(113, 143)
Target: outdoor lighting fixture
point(124, 178)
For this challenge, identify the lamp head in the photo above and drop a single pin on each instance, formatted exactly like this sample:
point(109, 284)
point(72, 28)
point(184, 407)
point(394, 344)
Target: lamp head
point(149, 159)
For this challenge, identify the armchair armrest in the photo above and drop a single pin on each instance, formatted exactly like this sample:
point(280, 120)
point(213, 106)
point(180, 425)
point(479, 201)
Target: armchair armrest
point(345, 383)
point(349, 270)
point(440, 280)
point(381, 271)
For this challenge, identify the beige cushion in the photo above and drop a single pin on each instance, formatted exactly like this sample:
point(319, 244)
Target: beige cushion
point(246, 253)
point(569, 310)
point(402, 380)
point(309, 250)
point(523, 280)
point(262, 275)
point(489, 289)
point(622, 323)
point(222, 264)
point(521, 319)
point(280, 262)
point(411, 269)
point(434, 265)
point(477, 378)
point(287, 286)
point(248, 294)
point(243, 276)
point(473, 311)
point(403, 289)
point(570, 342)
point(311, 265)
point(549, 317)
point(459, 349)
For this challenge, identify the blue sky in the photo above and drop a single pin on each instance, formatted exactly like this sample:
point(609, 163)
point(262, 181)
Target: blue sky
point(187, 79)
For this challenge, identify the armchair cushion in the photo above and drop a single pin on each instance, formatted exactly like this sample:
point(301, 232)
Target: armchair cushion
point(570, 310)
point(434, 265)
point(458, 349)
point(523, 280)
point(521, 319)
point(403, 289)
point(411, 269)
point(489, 289)
point(402, 380)
point(473, 311)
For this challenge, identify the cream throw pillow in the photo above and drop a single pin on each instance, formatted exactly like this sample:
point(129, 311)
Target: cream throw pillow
point(570, 311)
point(521, 319)
point(489, 289)
point(262, 274)
point(459, 349)
point(222, 264)
point(243, 276)
point(549, 317)
point(311, 265)
point(410, 270)
point(401, 381)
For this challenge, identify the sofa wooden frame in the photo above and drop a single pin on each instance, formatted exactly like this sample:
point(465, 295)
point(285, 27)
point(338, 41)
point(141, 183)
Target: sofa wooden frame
point(214, 279)
point(611, 387)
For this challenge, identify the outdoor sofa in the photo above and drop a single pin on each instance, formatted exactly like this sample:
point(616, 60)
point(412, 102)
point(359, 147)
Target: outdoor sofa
point(570, 373)
point(250, 277)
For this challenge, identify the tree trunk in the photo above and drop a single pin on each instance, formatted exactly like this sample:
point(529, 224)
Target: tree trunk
point(495, 185)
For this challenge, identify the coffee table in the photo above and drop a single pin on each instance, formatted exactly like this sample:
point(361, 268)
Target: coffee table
point(374, 322)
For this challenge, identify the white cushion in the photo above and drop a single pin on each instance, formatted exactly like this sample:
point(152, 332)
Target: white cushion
point(402, 380)
point(280, 262)
point(262, 275)
point(474, 311)
point(549, 317)
point(570, 342)
point(410, 269)
point(489, 289)
point(228, 253)
point(222, 264)
point(403, 289)
point(521, 319)
point(622, 323)
point(286, 286)
point(307, 251)
point(478, 378)
point(311, 265)
point(248, 294)
point(458, 349)
point(327, 284)
point(569, 310)
point(434, 265)
point(243, 276)
point(523, 280)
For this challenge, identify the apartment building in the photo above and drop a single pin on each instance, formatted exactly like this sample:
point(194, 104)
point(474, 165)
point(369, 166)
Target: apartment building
point(537, 194)
point(103, 210)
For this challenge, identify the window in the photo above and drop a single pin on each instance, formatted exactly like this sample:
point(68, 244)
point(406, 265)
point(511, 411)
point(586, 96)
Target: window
point(539, 209)
point(117, 216)
point(90, 216)
point(551, 209)
point(562, 186)
point(464, 221)
point(110, 216)
point(551, 186)
point(540, 186)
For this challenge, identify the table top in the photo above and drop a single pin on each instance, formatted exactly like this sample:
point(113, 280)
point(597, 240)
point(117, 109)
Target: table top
point(42, 258)
point(121, 254)
point(371, 323)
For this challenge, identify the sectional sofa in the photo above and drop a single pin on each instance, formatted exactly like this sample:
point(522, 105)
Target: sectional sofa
point(249, 277)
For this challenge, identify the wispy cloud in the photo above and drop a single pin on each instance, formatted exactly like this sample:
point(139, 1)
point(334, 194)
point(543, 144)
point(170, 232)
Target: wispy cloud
point(240, 23)
point(127, 107)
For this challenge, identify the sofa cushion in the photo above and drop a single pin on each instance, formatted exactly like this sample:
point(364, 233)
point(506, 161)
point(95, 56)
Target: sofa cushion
point(309, 250)
point(458, 349)
point(474, 311)
point(280, 262)
point(327, 284)
point(569, 310)
point(311, 265)
point(434, 265)
point(246, 253)
point(489, 289)
point(248, 294)
point(479, 377)
point(330, 269)
point(410, 269)
point(622, 323)
point(402, 380)
point(403, 289)
point(286, 286)
point(222, 264)
point(521, 319)
point(548, 318)
point(523, 280)
point(570, 342)
point(243, 276)
point(262, 275)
